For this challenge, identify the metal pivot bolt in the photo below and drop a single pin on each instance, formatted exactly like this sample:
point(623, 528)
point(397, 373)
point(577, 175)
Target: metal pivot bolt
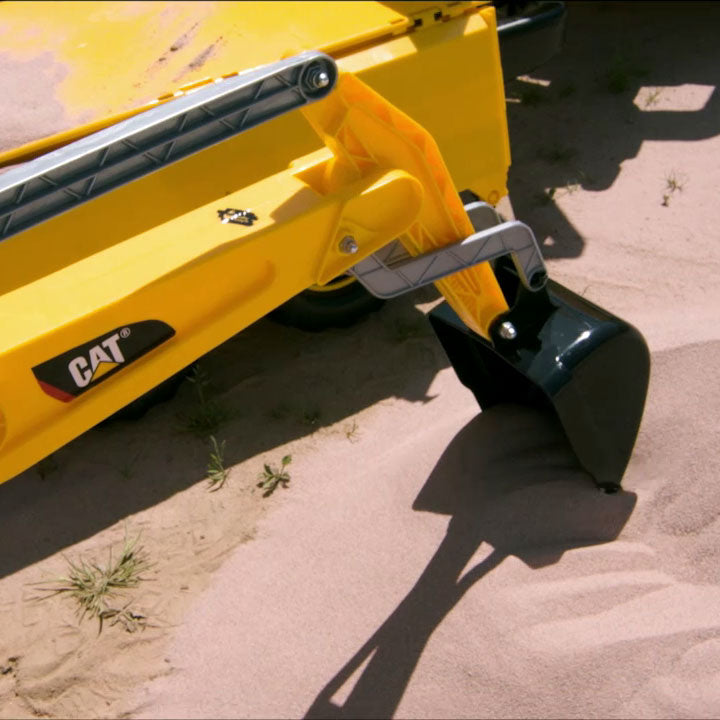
point(348, 245)
point(317, 78)
point(507, 330)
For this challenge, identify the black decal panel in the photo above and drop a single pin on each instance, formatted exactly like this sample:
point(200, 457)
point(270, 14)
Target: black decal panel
point(76, 370)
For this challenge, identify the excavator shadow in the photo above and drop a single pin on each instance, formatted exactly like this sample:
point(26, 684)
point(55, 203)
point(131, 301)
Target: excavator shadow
point(508, 479)
point(575, 122)
point(273, 385)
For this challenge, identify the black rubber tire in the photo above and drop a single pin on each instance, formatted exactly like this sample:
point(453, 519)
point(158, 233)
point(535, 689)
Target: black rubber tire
point(310, 310)
point(314, 311)
point(161, 393)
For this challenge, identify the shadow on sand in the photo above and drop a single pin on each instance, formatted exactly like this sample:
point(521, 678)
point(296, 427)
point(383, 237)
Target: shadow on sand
point(508, 479)
point(592, 106)
point(269, 376)
point(276, 385)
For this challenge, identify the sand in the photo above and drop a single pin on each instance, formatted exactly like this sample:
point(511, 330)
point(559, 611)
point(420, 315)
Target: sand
point(426, 560)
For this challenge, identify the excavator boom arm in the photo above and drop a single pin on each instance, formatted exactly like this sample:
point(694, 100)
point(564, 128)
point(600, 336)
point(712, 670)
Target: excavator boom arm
point(102, 307)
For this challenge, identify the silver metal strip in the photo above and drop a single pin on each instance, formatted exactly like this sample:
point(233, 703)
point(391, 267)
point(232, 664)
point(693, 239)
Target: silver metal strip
point(392, 271)
point(128, 150)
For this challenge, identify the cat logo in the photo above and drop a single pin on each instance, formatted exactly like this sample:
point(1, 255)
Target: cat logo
point(75, 371)
point(101, 359)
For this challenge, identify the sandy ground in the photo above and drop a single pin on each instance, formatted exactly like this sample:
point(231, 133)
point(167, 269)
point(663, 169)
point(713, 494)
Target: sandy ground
point(427, 560)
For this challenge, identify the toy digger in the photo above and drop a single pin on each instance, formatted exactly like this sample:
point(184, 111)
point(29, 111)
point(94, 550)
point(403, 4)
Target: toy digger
point(130, 248)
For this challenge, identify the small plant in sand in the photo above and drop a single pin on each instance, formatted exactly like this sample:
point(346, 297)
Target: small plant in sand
point(96, 588)
point(271, 477)
point(673, 184)
point(652, 97)
point(216, 470)
point(575, 183)
point(208, 415)
point(11, 666)
point(572, 186)
point(351, 431)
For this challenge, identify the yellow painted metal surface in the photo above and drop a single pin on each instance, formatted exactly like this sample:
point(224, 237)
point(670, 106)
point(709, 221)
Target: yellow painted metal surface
point(77, 76)
point(154, 249)
point(366, 134)
point(205, 279)
point(110, 56)
point(91, 62)
point(83, 48)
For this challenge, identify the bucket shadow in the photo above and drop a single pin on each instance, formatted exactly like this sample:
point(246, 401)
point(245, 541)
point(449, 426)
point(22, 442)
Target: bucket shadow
point(507, 479)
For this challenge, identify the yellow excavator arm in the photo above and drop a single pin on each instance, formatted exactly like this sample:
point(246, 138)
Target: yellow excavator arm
point(125, 258)
point(203, 276)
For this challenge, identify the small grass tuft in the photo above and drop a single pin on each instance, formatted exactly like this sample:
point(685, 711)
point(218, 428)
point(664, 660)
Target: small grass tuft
point(351, 431)
point(270, 478)
point(575, 183)
point(673, 183)
point(572, 186)
point(208, 415)
point(11, 666)
point(216, 470)
point(652, 97)
point(94, 587)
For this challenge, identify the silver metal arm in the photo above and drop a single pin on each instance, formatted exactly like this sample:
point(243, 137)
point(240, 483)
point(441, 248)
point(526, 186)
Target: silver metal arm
point(121, 153)
point(392, 271)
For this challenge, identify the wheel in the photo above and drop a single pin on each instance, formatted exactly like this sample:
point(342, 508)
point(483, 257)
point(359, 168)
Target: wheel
point(161, 393)
point(340, 303)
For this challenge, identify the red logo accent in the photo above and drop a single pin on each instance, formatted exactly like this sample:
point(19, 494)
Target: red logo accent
point(57, 393)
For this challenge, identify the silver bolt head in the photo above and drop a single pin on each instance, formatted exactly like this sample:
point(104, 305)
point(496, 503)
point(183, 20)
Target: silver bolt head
point(507, 330)
point(320, 79)
point(348, 245)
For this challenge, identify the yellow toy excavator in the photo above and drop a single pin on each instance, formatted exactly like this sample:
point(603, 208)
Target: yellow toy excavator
point(137, 242)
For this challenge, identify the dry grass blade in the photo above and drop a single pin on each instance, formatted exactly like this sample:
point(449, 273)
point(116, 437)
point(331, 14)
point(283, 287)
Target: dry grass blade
point(93, 587)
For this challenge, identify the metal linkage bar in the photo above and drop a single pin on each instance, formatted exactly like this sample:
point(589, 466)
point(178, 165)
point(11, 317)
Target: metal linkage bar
point(392, 271)
point(87, 168)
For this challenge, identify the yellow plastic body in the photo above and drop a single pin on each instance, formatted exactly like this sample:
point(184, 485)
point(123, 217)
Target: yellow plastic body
point(154, 249)
point(366, 134)
point(424, 57)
